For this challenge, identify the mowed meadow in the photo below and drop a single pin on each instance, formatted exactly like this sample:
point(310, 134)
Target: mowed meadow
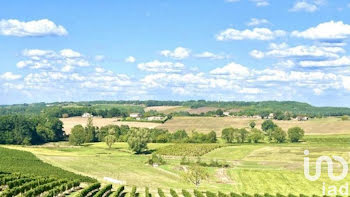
point(260, 168)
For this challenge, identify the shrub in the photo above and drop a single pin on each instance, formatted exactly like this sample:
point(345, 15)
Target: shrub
point(198, 193)
point(102, 191)
point(186, 193)
point(210, 194)
point(220, 194)
point(173, 193)
point(133, 192)
point(88, 189)
point(161, 193)
point(119, 191)
point(295, 134)
point(279, 135)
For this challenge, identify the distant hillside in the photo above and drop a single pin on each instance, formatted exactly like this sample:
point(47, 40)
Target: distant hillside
point(241, 107)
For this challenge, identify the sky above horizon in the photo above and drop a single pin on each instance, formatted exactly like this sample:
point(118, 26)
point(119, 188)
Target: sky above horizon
point(223, 50)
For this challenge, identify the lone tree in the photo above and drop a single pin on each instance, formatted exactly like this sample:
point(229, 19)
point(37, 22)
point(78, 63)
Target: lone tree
point(252, 124)
point(256, 135)
point(77, 136)
point(90, 131)
point(295, 134)
point(268, 124)
point(138, 139)
point(195, 174)
point(110, 138)
point(279, 135)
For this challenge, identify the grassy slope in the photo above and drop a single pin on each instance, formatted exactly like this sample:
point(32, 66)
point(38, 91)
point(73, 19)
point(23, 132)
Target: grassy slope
point(27, 163)
point(255, 168)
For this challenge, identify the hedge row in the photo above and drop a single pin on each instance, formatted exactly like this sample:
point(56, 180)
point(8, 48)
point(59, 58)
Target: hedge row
point(104, 190)
point(43, 188)
point(89, 189)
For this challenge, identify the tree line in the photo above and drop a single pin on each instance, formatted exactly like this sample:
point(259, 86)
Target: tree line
point(270, 131)
point(27, 130)
point(136, 137)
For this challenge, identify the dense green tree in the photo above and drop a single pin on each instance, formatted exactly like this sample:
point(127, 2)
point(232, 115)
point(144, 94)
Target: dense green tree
point(279, 135)
point(90, 131)
point(295, 134)
point(77, 136)
point(211, 137)
point(242, 135)
point(252, 124)
point(195, 174)
point(268, 124)
point(138, 139)
point(256, 135)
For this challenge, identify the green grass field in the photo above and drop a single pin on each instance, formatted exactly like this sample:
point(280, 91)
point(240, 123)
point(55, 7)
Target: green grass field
point(261, 168)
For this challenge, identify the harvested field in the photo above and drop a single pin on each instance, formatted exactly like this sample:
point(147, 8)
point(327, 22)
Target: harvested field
point(166, 109)
point(69, 123)
point(331, 125)
point(202, 110)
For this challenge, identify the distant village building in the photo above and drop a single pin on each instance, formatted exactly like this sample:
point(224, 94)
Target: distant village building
point(302, 118)
point(226, 113)
point(257, 117)
point(271, 115)
point(135, 115)
point(87, 115)
point(153, 118)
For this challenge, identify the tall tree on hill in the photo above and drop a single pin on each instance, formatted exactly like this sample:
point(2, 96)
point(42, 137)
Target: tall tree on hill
point(90, 131)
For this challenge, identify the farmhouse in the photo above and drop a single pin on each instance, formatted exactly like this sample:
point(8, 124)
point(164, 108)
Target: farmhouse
point(271, 115)
point(87, 115)
point(302, 118)
point(153, 118)
point(226, 113)
point(135, 115)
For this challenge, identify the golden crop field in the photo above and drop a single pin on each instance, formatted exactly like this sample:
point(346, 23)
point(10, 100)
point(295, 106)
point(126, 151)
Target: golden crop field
point(69, 123)
point(331, 125)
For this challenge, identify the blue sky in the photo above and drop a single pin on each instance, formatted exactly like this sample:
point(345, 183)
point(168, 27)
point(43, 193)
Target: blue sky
point(248, 50)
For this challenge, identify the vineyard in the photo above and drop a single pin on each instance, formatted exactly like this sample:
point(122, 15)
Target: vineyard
point(16, 161)
point(188, 149)
point(15, 184)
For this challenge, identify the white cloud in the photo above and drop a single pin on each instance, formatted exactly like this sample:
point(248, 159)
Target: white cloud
point(261, 3)
point(43, 27)
point(233, 69)
point(257, 54)
point(343, 61)
point(69, 53)
point(67, 59)
point(257, 22)
point(157, 66)
point(346, 82)
point(255, 34)
point(303, 52)
point(130, 59)
point(250, 91)
point(9, 76)
point(325, 31)
point(178, 53)
point(209, 55)
point(304, 6)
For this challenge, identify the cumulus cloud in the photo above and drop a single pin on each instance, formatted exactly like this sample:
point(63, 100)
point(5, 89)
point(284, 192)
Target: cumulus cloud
point(254, 34)
point(157, 66)
point(261, 3)
point(257, 54)
point(257, 22)
point(177, 53)
point(9, 76)
point(307, 6)
point(209, 55)
point(65, 59)
point(130, 59)
point(342, 61)
point(233, 69)
point(328, 31)
point(43, 27)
